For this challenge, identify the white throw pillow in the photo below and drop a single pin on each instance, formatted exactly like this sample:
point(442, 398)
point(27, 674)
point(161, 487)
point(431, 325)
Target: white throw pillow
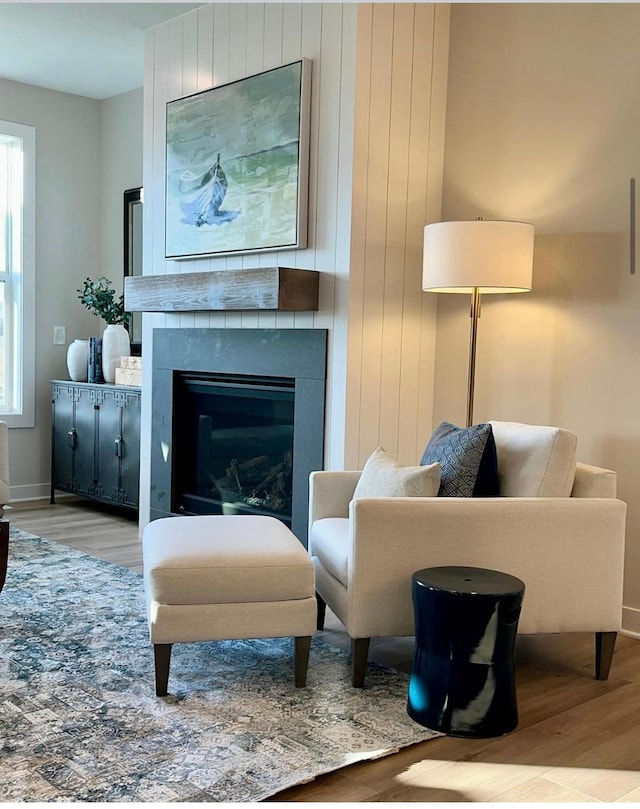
point(383, 476)
point(534, 460)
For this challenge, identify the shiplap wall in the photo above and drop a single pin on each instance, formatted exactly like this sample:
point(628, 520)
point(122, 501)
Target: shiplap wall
point(402, 56)
point(367, 204)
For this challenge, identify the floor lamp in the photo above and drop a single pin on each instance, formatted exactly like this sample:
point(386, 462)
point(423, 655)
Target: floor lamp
point(475, 257)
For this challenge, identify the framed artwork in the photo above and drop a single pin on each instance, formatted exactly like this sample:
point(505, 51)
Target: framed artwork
point(237, 166)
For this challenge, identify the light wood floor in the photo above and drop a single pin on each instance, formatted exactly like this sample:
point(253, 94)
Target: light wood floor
point(577, 740)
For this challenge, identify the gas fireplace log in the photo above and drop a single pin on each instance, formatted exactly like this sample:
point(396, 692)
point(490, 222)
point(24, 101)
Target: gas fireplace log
point(245, 465)
point(275, 471)
point(232, 474)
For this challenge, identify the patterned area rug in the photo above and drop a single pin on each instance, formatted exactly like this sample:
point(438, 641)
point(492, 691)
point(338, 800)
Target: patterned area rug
point(79, 719)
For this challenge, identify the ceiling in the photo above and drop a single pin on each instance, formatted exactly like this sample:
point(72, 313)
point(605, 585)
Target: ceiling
point(90, 49)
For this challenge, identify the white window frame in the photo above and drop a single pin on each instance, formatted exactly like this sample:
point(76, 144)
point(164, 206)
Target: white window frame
point(23, 284)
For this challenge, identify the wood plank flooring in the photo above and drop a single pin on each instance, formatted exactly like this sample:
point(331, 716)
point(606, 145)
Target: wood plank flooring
point(577, 740)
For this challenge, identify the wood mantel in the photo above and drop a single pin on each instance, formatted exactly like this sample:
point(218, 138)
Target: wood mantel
point(280, 289)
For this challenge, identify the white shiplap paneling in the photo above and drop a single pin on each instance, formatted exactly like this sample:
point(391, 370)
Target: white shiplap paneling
point(372, 115)
point(397, 180)
point(204, 80)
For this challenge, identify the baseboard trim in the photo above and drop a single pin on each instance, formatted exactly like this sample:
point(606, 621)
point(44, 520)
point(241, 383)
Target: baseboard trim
point(32, 491)
point(35, 491)
point(631, 622)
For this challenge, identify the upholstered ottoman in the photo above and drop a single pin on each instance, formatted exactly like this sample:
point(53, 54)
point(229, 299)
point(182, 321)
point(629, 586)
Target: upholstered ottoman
point(226, 577)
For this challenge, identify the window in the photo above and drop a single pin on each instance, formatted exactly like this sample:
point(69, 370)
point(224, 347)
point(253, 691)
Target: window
point(17, 274)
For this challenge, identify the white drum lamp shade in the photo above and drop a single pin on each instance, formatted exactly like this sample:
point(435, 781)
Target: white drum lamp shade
point(495, 257)
point(474, 257)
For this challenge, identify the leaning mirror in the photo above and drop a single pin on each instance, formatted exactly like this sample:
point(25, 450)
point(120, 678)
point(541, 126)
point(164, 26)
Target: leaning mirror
point(133, 255)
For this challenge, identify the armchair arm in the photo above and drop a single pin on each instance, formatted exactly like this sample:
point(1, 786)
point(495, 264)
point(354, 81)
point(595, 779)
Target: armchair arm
point(593, 481)
point(568, 551)
point(330, 494)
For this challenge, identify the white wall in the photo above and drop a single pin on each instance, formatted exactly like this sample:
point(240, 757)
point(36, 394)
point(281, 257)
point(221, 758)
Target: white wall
point(401, 77)
point(366, 209)
point(542, 126)
point(67, 233)
point(121, 168)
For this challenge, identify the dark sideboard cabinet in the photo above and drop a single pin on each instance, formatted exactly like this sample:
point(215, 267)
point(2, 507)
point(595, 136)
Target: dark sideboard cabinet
point(95, 441)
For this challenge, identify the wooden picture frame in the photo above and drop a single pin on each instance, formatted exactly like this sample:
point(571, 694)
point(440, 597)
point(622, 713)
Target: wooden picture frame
point(237, 166)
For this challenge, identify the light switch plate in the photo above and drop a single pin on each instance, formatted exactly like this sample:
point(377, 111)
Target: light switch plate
point(59, 335)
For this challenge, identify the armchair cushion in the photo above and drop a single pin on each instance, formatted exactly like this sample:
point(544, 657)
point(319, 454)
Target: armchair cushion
point(383, 476)
point(468, 460)
point(534, 460)
point(329, 542)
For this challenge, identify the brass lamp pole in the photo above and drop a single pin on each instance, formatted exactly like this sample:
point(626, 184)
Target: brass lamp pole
point(474, 257)
point(474, 314)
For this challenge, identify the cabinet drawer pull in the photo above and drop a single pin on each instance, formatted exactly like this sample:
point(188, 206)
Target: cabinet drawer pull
point(72, 437)
point(119, 445)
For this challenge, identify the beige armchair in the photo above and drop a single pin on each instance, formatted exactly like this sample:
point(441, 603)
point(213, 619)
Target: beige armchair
point(558, 527)
point(4, 499)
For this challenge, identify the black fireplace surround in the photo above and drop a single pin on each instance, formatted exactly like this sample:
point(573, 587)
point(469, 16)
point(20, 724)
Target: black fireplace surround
point(237, 421)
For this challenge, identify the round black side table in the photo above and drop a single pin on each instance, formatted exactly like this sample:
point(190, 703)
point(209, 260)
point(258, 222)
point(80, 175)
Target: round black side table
point(463, 678)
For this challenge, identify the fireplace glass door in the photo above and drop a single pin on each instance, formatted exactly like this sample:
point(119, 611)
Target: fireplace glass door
point(233, 445)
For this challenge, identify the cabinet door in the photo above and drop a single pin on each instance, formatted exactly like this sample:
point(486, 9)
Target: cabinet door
point(84, 467)
point(73, 434)
point(130, 448)
point(107, 458)
point(118, 447)
point(62, 436)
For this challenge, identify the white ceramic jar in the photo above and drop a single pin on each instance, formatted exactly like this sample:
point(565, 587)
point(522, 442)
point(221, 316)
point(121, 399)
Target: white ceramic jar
point(78, 360)
point(115, 344)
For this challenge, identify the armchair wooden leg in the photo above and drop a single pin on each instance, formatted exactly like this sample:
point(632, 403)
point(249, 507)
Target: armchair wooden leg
point(303, 645)
point(162, 658)
point(4, 551)
point(322, 609)
point(605, 644)
point(359, 654)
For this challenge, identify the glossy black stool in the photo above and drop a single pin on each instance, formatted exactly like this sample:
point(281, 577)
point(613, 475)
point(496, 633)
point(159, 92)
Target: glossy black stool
point(463, 678)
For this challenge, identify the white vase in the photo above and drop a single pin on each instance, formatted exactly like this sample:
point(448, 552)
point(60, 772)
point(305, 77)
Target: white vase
point(115, 344)
point(78, 360)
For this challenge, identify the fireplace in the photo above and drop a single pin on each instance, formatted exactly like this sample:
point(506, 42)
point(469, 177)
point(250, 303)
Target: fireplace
point(235, 451)
point(237, 421)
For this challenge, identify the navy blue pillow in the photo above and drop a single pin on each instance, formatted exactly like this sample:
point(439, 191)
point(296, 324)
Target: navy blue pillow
point(468, 460)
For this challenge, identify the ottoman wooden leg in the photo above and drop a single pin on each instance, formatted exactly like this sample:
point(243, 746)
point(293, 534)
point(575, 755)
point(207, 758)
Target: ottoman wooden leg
point(162, 658)
point(303, 645)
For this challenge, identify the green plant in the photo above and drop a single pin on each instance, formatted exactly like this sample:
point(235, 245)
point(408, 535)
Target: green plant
point(99, 297)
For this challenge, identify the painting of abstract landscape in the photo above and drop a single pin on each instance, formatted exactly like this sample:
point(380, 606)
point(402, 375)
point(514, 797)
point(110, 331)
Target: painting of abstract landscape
point(237, 165)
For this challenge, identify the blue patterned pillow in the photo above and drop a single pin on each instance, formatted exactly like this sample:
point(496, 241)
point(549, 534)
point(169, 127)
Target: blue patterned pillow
point(468, 460)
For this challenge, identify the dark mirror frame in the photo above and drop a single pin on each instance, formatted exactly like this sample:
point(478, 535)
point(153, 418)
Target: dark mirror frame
point(132, 197)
